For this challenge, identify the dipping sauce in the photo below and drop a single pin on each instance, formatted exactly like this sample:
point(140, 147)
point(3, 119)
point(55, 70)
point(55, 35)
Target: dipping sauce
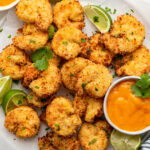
point(127, 111)
point(6, 2)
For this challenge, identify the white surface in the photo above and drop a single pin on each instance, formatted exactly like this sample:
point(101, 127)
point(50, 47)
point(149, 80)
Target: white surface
point(10, 24)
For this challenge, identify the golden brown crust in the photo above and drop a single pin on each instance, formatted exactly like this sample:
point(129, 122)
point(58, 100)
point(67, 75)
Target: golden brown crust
point(52, 141)
point(68, 12)
point(13, 62)
point(134, 64)
point(71, 69)
point(88, 107)
point(61, 117)
point(67, 42)
point(23, 121)
point(37, 12)
point(93, 80)
point(94, 136)
point(126, 35)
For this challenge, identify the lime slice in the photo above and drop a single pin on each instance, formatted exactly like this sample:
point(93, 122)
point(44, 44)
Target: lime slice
point(122, 141)
point(99, 17)
point(13, 99)
point(5, 85)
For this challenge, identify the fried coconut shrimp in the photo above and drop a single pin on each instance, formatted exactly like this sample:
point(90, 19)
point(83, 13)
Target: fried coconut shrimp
point(34, 100)
point(96, 51)
point(32, 38)
point(134, 64)
point(71, 69)
point(36, 12)
point(69, 12)
point(61, 117)
point(88, 107)
point(13, 62)
point(23, 121)
point(126, 35)
point(67, 42)
point(56, 59)
point(43, 84)
point(94, 136)
point(93, 80)
point(52, 141)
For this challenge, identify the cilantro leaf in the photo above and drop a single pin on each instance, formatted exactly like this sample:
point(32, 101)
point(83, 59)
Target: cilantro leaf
point(146, 93)
point(136, 91)
point(42, 52)
point(41, 64)
point(144, 82)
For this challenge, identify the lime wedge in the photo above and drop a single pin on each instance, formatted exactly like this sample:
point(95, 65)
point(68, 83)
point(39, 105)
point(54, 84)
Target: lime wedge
point(13, 99)
point(5, 85)
point(99, 17)
point(122, 141)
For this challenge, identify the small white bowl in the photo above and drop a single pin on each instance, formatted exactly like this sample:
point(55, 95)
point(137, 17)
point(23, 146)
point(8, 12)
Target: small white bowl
point(105, 108)
point(9, 6)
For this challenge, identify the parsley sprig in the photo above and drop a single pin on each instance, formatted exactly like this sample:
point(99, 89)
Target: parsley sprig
point(40, 58)
point(142, 87)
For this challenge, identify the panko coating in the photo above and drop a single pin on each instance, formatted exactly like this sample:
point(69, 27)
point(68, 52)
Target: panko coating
point(88, 107)
point(67, 42)
point(23, 122)
point(34, 100)
point(47, 83)
point(52, 141)
point(134, 64)
point(71, 69)
point(13, 62)
point(38, 12)
point(94, 136)
point(56, 59)
point(61, 117)
point(99, 54)
point(93, 80)
point(31, 42)
point(67, 13)
point(126, 35)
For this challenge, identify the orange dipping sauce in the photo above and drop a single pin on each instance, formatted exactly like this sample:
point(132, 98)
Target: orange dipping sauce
point(6, 2)
point(127, 111)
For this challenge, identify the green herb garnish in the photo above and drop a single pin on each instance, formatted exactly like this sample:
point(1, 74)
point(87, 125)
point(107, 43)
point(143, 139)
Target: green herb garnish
point(96, 19)
point(8, 57)
point(9, 36)
point(96, 89)
point(35, 126)
point(65, 43)
point(1, 70)
point(40, 58)
point(93, 141)
point(142, 87)
point(58, 127)
point(37, 87)
point(115, 10)
point(84, 85)
point(83, 40)
point(19, 102)
point(47, 128)
point(32, 41)
point(51, 31)
point(132, 10)
point(1, 30)
point(30, 97)
point(130, 58)
point(71, 75)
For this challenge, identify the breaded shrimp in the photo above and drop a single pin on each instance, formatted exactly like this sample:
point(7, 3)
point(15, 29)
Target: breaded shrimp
point(30, 74)
point(71, 69)
point(32, 99)
point(13, 62)
point(126, 35)
point(69, 12)
point(36, 12)
point(47, 83)
point(93, 80)
point(94, 136)
point(67, 42)
point(56, 59)
point(134, 64)
point(61, 117)
point(31, 42)
point(23, 121)
point(88, 107)
point(96, 51)
point(52, 141)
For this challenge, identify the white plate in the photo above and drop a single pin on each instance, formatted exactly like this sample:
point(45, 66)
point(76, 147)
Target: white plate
point(10, 24)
